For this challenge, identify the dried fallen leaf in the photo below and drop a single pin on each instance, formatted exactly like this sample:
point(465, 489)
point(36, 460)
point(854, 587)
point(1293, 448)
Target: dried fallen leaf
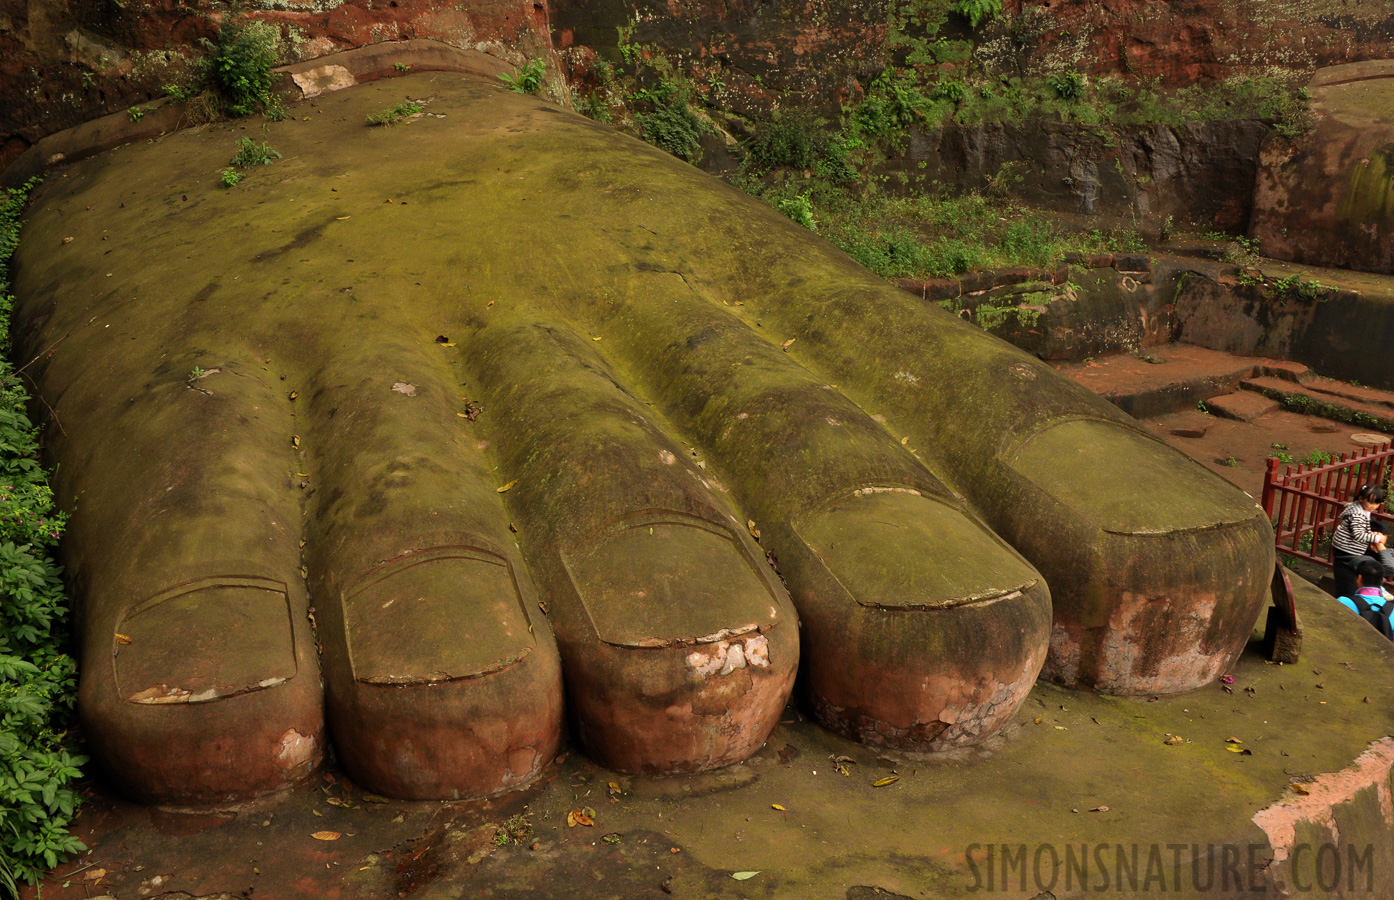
point(1235, 748)
point(1039, 720)
point(744, 876)
point(595, 338)
point(122, 639)
point(1174, 739)
point(578, 817)
point(342, 218)
point(778, 807)
point(489, 304)
point(507, 487)
point(1099, 809)
point(905, 440)
point(374, 798)
point(1300, 788)
point(295, 441)
point(402, 387)
point(787, 343)
point(882, 782)
point(326, 835)
point(1233, 740)
point(667, 884)
point(294, 394)
point(93, 874)
point(750, 526)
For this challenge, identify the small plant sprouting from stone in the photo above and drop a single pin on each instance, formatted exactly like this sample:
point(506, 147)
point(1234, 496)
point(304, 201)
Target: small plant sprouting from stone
point(396, 114)
point(528, 79)
point(137, 113)
point(250, 153)
point(1202, 408)
point(514, 831)
point(1231, 462)
point(1068, 85)
point(402, 68)
point(978, 11)
point(231, 177)
point(196, 373)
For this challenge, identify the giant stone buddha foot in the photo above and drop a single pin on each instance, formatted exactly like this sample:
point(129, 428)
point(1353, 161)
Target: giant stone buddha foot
point(290, 511)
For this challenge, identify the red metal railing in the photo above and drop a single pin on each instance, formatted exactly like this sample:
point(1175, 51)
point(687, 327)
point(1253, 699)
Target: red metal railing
point(1303, 505)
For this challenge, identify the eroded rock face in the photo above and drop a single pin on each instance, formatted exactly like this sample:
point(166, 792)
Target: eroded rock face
point(270, 399)
point(1327, 198)
point(62, 64)
point(65, 63)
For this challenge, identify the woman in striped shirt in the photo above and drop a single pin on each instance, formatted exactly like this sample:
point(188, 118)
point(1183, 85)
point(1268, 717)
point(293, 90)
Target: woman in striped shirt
point(1357, 536)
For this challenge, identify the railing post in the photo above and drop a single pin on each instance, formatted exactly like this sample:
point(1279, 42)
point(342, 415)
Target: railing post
point(1268, 477)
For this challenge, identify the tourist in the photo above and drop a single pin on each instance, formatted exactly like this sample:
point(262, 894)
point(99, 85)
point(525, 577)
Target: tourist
point(1370, 600)
point(1356, 537)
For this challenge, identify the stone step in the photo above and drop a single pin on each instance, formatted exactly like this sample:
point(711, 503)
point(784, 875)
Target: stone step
point(1373, 412)
point(1244, 406)
point(1173, 377)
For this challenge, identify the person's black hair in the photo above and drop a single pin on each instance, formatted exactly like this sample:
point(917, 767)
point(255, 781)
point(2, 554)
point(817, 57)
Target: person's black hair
point(1370, 493)
point(1370, 572)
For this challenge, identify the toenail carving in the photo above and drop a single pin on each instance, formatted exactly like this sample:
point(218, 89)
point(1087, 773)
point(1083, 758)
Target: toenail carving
point(873, 542)
point(472, 594)
point(206, 640)
point(665, 579)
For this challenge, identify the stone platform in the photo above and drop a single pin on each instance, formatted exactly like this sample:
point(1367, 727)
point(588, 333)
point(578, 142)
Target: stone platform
point(1072, 771)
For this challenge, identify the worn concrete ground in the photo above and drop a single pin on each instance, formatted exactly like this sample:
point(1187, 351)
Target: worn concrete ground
point(1072, 768)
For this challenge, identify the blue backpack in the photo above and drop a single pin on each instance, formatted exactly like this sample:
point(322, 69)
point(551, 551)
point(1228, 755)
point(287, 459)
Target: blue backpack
point(1378, 616)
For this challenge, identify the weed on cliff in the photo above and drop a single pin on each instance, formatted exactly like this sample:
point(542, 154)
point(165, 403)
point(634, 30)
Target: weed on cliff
point(800, 142)
point(528, 78)
point(669, 124)
point(38, 680)
point(978, 11)
point(240, 63)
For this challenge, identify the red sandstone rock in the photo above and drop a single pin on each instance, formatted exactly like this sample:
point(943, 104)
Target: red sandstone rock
point(1323, 199)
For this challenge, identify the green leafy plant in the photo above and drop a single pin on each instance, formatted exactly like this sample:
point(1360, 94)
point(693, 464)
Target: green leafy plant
point(395, 114)
point(179, 93)
point(402, 68)
point(800, 209)
point(249, 153)
point(1067, 85)
point(240, 65)
point(231, 178)
point(137, 113)
point(952, 91)
point(1317, 458)
point(528, 78)
point(977, 11)
point(671, 124)
point(38, 681)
